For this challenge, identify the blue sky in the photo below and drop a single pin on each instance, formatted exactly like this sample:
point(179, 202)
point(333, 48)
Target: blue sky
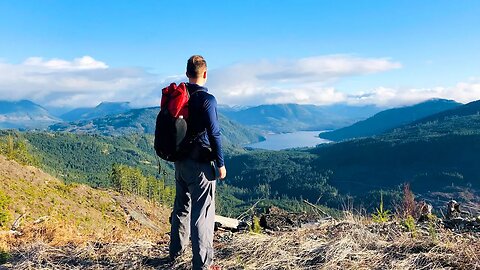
point(381, 52)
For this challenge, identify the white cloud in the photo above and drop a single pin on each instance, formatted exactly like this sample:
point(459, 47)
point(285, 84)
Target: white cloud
point(305, 80)
point(312, 81)
point(86, 81)
point(81, 82)
point(462, 92)
point(82, 63)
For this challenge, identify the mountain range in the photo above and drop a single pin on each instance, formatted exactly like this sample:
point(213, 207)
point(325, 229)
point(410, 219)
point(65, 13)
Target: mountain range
point(293, 117)
point(461, 120)
point(270, 118)
point(388, 119)
point(24, 114)
point(142, 121)
point(101, 110)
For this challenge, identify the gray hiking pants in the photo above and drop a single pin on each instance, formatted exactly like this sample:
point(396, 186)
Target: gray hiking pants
point(194, 212)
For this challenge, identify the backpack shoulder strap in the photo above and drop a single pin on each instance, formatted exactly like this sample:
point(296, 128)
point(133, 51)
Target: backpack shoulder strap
point(194, 92)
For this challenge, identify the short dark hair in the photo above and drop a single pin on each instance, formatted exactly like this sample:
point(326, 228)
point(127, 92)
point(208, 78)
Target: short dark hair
point(196, 65)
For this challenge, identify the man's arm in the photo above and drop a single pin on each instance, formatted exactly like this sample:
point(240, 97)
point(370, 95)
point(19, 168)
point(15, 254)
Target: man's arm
point(213, 133)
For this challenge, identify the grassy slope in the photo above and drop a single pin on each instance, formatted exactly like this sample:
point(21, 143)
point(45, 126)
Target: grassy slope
point(74, 212)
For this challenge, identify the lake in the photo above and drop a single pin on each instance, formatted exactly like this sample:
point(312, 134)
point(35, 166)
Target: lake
point(289, 140)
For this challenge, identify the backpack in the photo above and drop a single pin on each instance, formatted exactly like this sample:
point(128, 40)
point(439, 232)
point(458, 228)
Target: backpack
point(171, 125)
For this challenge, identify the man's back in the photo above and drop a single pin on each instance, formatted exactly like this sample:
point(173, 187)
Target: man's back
point(193, 215)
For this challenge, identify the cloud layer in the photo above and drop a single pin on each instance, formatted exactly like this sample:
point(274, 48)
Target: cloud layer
point(81, 82)
point(312, 81)
point(86, 81)
point(297, 80)
point(462, 92)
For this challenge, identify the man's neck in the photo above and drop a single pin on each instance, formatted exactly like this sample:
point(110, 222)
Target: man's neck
point(197, 82)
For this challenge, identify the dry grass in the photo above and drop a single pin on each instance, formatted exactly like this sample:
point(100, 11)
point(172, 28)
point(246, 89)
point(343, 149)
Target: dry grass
point(89, 256)
point(352, 245)
point(349, 244)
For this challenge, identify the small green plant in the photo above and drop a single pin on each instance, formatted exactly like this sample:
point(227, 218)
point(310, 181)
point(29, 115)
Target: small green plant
point(382, 215)
point(410, 225)
point(255, 227)
point(432, 231)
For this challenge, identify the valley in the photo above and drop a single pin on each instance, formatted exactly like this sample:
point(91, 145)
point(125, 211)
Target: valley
point(431, 154)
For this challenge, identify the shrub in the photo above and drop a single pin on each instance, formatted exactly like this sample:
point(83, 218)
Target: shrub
point(410, 225)
point(256, 228)
point(408, 205)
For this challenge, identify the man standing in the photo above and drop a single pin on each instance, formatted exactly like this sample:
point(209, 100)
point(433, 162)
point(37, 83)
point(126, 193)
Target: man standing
point(193, 213)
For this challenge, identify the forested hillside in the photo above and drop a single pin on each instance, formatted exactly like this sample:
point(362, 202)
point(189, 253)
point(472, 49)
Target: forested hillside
point(433, 155)
point(388, 119)
point(89, 159)
point(46, 224)
point(436, 154)
point(463, 120)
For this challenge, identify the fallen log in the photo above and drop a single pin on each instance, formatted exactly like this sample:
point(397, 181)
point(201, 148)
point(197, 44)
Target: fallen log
point(227, 223)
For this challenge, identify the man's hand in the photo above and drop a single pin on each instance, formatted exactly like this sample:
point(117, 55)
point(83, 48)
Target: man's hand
point(222, 172)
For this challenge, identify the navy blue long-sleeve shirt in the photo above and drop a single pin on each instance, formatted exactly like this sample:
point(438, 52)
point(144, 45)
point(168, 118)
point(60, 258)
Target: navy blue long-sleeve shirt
point(203, 120)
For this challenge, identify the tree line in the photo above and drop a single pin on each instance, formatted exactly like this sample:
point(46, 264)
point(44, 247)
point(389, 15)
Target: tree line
point(130, 180)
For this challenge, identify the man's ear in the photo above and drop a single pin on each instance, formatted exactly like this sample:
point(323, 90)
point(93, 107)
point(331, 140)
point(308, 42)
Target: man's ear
point(205, 74)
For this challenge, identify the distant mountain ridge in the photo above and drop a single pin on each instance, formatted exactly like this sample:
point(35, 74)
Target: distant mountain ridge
point(294, 117)
point(469, 109)
point(24, 114)
point(461, 120)
point(131, 121)
point(101, 110)
point(389, 119)
point(144, 120)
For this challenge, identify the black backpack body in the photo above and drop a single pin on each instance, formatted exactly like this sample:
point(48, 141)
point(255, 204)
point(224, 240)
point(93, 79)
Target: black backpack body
point(171, 124)
point(169, 135)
